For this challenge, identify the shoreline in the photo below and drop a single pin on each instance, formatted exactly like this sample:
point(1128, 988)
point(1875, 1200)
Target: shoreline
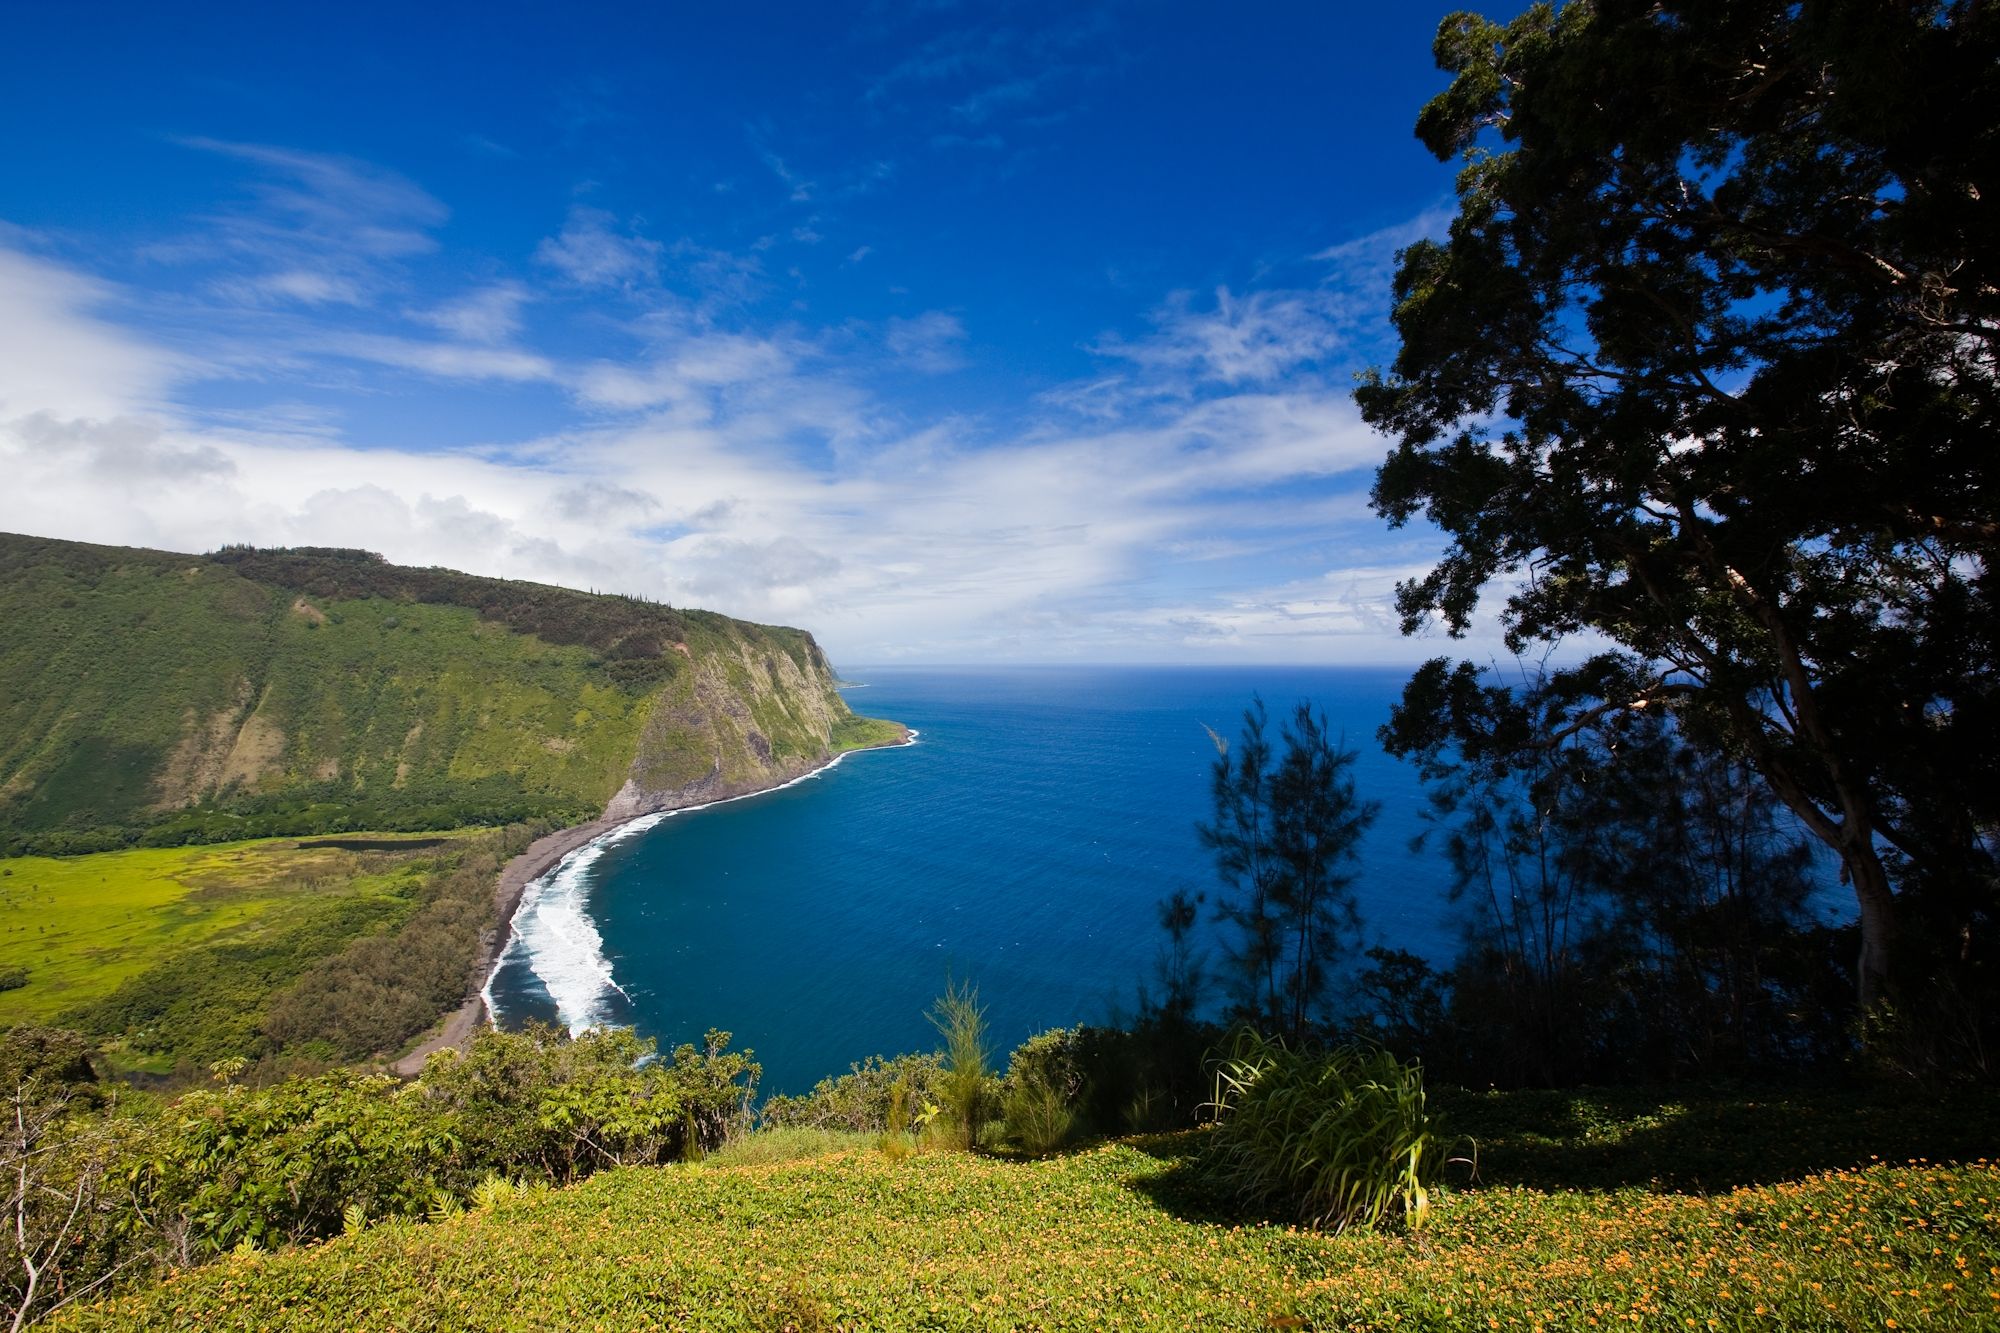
point(545, 855)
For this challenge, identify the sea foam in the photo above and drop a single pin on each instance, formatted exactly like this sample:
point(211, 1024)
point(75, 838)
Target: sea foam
point(552, 930)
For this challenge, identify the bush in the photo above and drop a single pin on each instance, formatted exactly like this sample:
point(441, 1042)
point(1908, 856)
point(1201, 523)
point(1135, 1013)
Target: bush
point(1044, 1082)
point(1336, 1140)
point(162, 1187)
point(862, 1099)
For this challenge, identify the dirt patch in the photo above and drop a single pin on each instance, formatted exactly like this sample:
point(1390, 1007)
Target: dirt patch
point(195, 767)
point(307, 610)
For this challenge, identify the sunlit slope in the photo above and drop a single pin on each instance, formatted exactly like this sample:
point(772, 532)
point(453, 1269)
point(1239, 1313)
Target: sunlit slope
point(142, 688)
point(1113, 1237)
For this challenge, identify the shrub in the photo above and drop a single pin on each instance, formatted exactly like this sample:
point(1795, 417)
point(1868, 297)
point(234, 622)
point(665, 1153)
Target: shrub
point(13, 978)
point(1336, 1140)
point(1044, 1081)
point(862, 1099)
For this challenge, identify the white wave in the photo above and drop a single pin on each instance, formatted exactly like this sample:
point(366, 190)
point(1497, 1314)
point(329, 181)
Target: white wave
point(553, 931)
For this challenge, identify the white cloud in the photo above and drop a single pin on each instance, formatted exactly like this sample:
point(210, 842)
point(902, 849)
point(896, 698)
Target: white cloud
point(1240, 339)
point(752, 472)
point(315, 229)
point(932, 342)
point(591, 252)
point(55, 355)
point(489, 315)
point(452, 361)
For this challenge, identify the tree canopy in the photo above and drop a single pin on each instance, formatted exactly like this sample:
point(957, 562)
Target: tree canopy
point(1706, 366)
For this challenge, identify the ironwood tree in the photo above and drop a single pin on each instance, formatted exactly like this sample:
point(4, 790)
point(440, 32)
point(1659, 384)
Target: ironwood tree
point(1285, 835)
point(1706, 366)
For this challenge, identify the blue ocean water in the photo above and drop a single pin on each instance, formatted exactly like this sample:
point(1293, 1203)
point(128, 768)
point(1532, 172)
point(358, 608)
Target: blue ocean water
point(1021, 844)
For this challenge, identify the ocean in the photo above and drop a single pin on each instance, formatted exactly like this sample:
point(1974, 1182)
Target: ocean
point(1020, 844)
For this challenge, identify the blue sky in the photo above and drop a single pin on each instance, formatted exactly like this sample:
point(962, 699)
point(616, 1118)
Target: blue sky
point(950, 332)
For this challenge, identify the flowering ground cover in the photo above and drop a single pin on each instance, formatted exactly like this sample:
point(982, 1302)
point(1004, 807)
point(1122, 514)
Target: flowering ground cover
point(1124, 1235)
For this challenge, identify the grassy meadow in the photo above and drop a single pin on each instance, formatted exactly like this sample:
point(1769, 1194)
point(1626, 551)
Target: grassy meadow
point(1569, 1225)
point(87, 929)
point(83, 925)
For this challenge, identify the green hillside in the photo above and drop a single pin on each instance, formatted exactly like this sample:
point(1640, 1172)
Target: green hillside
point(160, 698)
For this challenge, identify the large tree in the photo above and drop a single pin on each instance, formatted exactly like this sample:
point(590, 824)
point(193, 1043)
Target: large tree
point(1707, 366)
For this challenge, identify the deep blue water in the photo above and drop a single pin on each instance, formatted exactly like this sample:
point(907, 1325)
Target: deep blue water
point(1021, 843)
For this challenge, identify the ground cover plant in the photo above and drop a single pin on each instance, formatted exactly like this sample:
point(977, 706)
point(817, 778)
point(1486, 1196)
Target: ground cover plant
point(1128, 1234)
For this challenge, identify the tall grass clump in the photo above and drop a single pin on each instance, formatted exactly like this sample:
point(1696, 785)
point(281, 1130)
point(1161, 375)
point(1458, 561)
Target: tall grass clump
point(961, 1020)
point(1336, 1139)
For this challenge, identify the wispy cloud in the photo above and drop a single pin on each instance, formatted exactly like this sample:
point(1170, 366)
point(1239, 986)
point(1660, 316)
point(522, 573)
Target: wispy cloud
point(592, 251)
point(1180, 502)
point(312, 229)
point(487, 315)
point(442, 360)
point(1236, 339)
point(932, 342)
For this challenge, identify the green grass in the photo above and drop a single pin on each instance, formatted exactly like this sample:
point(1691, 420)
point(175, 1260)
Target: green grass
point(1126, 1235)
point(83, 926)
point(865, 733)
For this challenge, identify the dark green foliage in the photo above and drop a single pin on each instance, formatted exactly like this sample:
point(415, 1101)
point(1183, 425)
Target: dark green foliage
point(207, 1003)
point(1635, 903)
point(1708, 359)
point(620, 628)
point(382, 990)
point(559, 1108)
point(13, 978)
point(47, 1061)
point(347, 977)
point(1340, 1139)
point(861, 1099)
point(1043, 1090)
point(1285, 835)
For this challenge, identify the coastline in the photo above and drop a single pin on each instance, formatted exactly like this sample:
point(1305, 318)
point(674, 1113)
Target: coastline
point(544, 855)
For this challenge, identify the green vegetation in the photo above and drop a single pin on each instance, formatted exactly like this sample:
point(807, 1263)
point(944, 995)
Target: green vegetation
point(1040, 1097)
point(1785, 1230)
point(1699, 371)
point(866, 733)
point(964, 1096)
point(137, 1187)
point(83, 927)
point(1333, 1140)
point(164, 699)
point(329, 949)
point(861, 1100)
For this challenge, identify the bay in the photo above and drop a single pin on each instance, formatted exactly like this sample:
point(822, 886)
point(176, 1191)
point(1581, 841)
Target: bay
point(1021, 844)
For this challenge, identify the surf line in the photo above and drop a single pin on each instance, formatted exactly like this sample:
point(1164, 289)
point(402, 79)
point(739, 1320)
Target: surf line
point(551, 929)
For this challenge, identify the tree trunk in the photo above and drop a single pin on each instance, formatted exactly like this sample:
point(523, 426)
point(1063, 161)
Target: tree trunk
point(1878, 917)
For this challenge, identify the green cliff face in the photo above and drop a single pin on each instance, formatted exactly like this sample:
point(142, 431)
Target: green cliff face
point(147, 695)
